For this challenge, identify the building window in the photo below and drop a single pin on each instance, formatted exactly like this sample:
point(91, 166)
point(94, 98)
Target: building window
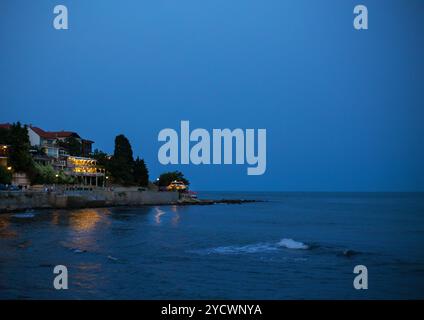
point(52, 152)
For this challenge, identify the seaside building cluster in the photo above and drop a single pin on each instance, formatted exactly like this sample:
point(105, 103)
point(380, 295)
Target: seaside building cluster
point(50, 148)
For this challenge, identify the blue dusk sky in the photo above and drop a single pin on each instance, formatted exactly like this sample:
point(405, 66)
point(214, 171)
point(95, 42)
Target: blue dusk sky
point(343, 109)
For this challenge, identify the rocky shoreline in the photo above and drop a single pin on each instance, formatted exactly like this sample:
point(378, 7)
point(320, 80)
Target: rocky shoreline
point(24, 201)
point(206, 202)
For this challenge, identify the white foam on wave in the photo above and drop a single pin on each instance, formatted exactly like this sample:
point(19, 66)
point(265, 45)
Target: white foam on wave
point(292, 244)
point(251, 248)
point(256, 248)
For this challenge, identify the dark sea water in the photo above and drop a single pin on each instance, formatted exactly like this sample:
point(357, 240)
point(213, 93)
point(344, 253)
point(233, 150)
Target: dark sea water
point(289, 247)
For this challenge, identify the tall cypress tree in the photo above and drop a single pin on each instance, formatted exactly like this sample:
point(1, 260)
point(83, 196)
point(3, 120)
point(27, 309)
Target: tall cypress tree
point(20, 157)
point(141, 173)
point(122, 162)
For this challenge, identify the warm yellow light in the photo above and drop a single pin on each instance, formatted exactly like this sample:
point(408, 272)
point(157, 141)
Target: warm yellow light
point(9, 168)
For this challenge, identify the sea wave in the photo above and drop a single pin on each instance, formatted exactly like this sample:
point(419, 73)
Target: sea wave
point(256, 248)
point(252, 248)
point(292, 244)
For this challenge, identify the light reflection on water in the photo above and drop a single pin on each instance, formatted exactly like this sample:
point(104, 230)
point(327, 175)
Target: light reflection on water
point(174, 252)
point(5, 228)
point(177, 217)
point(87, 219)
point(159, 213)
point(80, 220)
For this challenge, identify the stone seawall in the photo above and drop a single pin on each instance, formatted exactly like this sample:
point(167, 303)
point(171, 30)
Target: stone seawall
point(16, 200)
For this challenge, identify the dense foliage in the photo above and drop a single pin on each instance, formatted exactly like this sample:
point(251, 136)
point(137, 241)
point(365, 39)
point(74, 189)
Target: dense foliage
point(4, 136)
point(72, 145)
point(43, 174)
point(5, 175)
point(166, 178)
point(121, 166)
point(141, 174)
point(102, 159)
point(19, 156)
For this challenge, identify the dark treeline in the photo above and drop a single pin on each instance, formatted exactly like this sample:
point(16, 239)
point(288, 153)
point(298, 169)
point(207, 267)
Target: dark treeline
point(121, 166)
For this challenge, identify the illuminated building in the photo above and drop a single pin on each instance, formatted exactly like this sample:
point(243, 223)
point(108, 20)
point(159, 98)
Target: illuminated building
point(50, 148)
point(85, 170)
point(50, 141)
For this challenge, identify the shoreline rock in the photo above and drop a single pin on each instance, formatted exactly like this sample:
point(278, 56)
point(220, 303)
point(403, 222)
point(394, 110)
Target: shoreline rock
point(203, 202)
point(11, 202)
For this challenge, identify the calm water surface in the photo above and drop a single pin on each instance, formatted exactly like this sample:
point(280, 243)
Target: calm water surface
point(290, 247)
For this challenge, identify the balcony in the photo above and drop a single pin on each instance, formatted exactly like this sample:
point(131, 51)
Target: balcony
point(80, 166)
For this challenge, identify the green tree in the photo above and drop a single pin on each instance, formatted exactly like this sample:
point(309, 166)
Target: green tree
point(166, 178)
point(141, 173)
point(122, 162)
point(43, 174)
point(4, 136)
point(19, 157)
point(103, 160)
point(5, 175)
point(72, 145)
point(63, 178)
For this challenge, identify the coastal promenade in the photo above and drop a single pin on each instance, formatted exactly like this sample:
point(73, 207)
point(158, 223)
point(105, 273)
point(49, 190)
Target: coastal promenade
point(12, 201)
point(25, 200)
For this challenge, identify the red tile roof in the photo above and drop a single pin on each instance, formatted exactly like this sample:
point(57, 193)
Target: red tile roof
point(53, 134)
point(49, 134)
point(5, 125)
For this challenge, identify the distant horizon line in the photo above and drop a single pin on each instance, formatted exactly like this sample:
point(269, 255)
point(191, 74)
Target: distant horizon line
point(285, 191)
